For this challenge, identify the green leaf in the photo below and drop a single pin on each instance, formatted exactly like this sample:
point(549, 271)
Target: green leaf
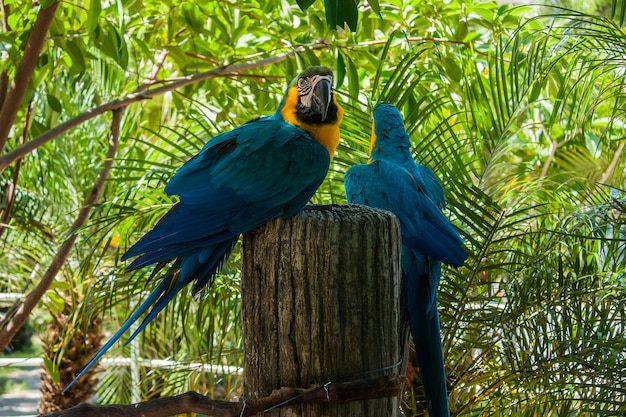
point(330, 7)
point(484, 12)
point(38, 128)
point(353, 80)
point(192, 16)
point(339, 12)
point(56, 303)
point(351, 13)
point(111, 41)
point(74, 50)
point(304, 4)
point(57, 27)
point(94, 7)
point(453, 70)
point(52, 369)
point(340, 73)
point(317, 23)
point(54, 103)
point(311, 57)
point(461, 31)
point(376, 8)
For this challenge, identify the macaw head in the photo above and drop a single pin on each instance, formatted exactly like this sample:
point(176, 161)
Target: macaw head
point(310, 104)
point(389, 137)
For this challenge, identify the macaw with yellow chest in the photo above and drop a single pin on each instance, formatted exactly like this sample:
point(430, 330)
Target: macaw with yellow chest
point(393, 181)
point(265, 168)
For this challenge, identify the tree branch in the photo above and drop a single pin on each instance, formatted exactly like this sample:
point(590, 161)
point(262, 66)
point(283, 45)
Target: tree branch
point(24, 72)
point(11, 186)
point(4, 55)
point(139, 94)
point(11, 324)
point(4, 86)
point(193, 402)
point(142, 94)
point(158, 64)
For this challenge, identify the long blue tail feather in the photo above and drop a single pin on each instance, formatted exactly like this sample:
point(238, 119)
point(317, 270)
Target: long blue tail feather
point(152, 298)
point(421, 303)
point(184, 270)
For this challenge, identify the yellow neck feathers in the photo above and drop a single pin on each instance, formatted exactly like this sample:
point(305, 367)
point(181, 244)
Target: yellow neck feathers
point(372, 144)
point(326, 134)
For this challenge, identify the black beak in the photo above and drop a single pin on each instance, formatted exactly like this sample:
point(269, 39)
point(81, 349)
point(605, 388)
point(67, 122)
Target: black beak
point(322, 95)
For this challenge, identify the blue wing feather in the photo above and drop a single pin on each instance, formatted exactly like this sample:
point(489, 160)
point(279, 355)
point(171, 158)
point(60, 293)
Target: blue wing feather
point(248, 184)
point(424, 227)
point(239, 180)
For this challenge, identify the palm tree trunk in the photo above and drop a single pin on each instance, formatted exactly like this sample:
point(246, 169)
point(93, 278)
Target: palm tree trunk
point(58, 371)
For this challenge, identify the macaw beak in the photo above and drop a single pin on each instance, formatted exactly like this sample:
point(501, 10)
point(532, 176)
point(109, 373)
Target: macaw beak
point(322, 96)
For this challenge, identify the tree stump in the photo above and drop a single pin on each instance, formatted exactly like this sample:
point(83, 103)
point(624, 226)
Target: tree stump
point(320, 303)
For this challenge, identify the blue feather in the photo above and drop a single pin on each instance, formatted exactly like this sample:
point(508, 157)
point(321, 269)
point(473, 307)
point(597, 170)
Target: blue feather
point(420, 280)
point(239, 180)
point(394, 182)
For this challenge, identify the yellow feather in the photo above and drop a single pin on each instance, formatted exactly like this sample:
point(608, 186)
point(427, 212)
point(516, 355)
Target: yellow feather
point(372, 143)
point(326, 134)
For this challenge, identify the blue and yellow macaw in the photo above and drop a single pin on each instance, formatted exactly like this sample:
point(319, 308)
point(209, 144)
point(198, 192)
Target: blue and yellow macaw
point(393, 181)
point(265, 168)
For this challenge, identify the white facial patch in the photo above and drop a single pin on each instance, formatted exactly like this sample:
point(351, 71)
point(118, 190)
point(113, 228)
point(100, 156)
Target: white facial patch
point(306, 86)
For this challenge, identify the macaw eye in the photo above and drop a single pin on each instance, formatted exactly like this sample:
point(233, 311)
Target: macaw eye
point(304, 83)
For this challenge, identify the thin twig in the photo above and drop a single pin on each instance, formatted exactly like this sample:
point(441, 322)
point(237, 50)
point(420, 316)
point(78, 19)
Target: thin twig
point(158, 64)
point(5, 9)
point(11, 186)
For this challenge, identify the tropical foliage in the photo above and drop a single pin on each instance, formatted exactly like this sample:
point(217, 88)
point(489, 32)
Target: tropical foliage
point(521, 116)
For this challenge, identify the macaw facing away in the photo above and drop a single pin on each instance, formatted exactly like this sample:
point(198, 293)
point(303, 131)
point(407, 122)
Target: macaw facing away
point(268, 167)
point(393, 181)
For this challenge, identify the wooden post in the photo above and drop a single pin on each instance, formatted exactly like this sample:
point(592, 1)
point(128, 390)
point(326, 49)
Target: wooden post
point(320, 303)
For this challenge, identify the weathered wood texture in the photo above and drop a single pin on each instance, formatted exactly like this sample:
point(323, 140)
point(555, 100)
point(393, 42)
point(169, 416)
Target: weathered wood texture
point(320, 303)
